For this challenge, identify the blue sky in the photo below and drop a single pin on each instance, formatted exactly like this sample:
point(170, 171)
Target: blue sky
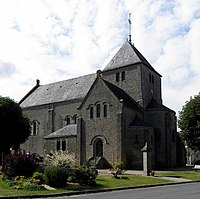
point(53, 40)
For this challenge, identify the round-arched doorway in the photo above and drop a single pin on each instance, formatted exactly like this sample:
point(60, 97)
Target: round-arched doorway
point(98, 148)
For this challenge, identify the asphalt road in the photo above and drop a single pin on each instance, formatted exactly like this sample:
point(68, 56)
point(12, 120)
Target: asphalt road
point(179, 191)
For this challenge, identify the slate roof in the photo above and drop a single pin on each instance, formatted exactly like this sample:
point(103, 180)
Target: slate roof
point(156, 106)
point(66, 131)
point(137, 122)
point(70, 89)
point(120, 94)
point(127, 55)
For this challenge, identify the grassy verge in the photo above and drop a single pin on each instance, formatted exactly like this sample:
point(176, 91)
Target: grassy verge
point(192, 175)
point(102, 182)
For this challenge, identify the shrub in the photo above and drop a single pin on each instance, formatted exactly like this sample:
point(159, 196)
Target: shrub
point(60, 159)
point(85, 175)
point(40, 177)
point(55, 176)
point(19, 164)
point(120, 165)
point(20, 182)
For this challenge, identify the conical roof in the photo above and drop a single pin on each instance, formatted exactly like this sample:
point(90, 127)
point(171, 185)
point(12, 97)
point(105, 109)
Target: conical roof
point(127, 55)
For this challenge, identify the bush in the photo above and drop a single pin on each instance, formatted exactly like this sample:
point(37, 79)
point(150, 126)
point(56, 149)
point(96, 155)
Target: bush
point(120, 165)
point(19, 164)
point(60, 159)
point(85, 175)
point(20, 182)
point(56, 176)
point(40, 177)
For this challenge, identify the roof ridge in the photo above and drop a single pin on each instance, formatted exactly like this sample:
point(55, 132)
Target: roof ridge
point(122, 95)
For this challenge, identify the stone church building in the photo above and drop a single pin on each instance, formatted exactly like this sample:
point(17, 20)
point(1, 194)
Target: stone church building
point(105, 117)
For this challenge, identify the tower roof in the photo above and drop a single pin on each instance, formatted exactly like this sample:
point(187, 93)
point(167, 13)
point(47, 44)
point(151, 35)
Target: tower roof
point(127, 55)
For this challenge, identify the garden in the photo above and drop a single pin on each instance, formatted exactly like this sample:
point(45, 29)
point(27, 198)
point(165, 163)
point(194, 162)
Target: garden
point(58, 173)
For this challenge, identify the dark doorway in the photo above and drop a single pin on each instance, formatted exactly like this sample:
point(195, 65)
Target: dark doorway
point(98, 148)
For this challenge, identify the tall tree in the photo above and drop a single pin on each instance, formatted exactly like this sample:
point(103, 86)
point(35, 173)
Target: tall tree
point(189, 122)
point(14, 126)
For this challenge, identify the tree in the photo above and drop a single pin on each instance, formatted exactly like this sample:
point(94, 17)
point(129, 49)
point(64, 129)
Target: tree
point(14, 126)
point(189, 122)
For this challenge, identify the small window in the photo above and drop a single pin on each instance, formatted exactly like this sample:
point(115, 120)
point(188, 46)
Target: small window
point(117, 77)
point(91, 112)
point(173, 136)
point(151, 139)
point(136, 139)
point(98, 110)
point(58, 145)
point(123, 75)
point(75, 119)
point(63, 145)
point(68, 121)
point(34, 128)
point(152, 79)
point(149, 77)
point(105, 110)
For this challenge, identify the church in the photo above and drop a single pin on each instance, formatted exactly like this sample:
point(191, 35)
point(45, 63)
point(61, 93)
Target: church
point(106, 117)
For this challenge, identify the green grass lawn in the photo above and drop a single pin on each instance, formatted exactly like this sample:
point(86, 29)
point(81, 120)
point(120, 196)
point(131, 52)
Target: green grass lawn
point(192, 175)
point(102, 182)
point(107, 181)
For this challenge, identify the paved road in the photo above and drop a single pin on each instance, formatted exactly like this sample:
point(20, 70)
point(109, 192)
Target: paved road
point(180, 191)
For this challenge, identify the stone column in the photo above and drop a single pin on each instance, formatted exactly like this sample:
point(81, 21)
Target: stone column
point(146, 159)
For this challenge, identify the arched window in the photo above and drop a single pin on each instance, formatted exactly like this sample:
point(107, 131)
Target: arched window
point(63, 145)
point(152, 79)
point(123, 75)
point(91, 112)
point(98, 109)
point(68, 121)
point(75, 119)
point(58, 145)
point(34, 128)
point(117, 77)
point(105, 110)
point(149, 77)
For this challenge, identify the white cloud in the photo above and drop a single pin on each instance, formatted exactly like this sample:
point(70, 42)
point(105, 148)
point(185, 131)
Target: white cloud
point(54, 40)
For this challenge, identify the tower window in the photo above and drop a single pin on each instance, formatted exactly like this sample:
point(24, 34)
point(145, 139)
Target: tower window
point(152, 79)
point(91, 112)
point(105, 110)
point(117, 77)
point(149, 77)
point(123, 75)
point(98, 109)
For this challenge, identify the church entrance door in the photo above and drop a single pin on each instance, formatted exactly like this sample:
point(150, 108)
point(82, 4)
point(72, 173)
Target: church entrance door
point(98, 148)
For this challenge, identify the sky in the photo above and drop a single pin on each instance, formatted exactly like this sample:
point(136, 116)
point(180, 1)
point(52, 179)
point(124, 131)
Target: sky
point(54, 40)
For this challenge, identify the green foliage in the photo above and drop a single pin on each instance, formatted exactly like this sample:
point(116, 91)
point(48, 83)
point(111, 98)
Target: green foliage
point(60, 159)
point(56, 176)
point(120, 165)
point(189, 122)
point(19, 164)
point(21, 182)
point(85, 175)
point(40, 177)
point(15, 127)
